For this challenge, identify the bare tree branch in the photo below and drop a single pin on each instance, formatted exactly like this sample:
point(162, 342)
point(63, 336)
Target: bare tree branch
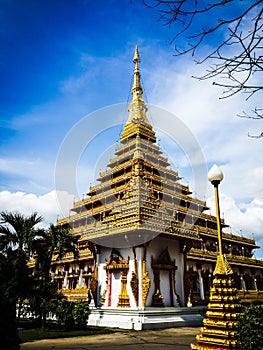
point(257, 114)
point(235, 26)
point(255, 136)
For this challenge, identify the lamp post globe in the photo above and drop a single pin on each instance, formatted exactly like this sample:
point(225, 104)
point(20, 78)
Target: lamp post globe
point(215, 175)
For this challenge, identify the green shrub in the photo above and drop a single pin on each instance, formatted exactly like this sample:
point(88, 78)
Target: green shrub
point(80, 313)
point(64, 314)
point(250, 328)
point(72, 314)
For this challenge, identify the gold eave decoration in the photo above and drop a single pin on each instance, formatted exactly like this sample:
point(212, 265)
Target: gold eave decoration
point(222, 266)
point(133, 129)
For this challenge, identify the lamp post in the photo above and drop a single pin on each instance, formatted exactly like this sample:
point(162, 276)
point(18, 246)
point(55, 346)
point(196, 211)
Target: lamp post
point(215, 176)
point(220, 322)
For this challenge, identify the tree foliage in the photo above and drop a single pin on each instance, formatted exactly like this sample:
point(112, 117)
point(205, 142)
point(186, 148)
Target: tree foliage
point(16, 236)
point(17, 233)
point(50, 243)
point(233, 31)
point(8, 329)
point(21, 240)
point(72, 314)
point(250, 328)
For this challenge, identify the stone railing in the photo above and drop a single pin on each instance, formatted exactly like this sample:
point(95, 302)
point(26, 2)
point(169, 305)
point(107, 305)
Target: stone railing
point(234, 259)
point(247, 296)
point(75, 294)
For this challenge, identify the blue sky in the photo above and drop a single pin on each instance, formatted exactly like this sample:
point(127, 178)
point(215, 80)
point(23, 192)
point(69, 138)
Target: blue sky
point(62, 60)
point(68, 57)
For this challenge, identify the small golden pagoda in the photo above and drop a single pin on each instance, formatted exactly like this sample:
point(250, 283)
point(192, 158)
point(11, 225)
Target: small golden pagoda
point(220, 323)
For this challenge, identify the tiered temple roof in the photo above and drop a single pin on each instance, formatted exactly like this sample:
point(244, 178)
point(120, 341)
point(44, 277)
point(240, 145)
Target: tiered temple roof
point(139, 193)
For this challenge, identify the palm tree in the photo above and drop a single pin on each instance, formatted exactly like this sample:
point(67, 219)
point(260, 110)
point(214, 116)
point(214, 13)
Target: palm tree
point(51, 243)
point(8, 327)
point(16, 236)
point(17, 231)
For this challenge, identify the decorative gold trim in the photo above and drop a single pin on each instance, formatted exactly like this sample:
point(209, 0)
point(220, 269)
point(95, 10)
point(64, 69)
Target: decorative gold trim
point(146, 283)
point(157, 299)
point(222, 266)
point(75, 294)
point(135, 286)
point(134, 283)
point(103, 297)
point(117, 263)
point(124, 300)
point(93, 285)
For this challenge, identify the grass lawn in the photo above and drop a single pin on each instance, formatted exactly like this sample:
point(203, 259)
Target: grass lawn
point(27, 332)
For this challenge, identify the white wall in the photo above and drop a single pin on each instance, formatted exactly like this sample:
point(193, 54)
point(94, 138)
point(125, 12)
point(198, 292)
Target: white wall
point(105, 254)
point(155, 248)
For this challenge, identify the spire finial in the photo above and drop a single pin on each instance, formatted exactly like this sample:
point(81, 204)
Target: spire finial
point(136, 88)
point(137, 123)
point(136, 57)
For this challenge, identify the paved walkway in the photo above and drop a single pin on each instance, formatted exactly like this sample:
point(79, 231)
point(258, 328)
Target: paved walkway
point(173, 338)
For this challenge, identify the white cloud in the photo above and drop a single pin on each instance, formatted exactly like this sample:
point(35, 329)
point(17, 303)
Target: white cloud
point(28, 173)
point(243, 218)
point(46, 205)
point(18, 165)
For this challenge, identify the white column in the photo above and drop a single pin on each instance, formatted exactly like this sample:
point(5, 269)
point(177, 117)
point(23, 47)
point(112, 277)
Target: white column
point(183, 270)
point(201, 284)
point(65, 283)
point(80, 277)
point(139, 256)
point(98, 279)
point(243, 283)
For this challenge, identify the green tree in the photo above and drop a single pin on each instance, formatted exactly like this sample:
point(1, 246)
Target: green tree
point(18, 232)
point(81, 313)
point(8, 327)
point(16, 236)
point(51, 243)
point(72, 314)
point(250, 328)
point(64, 314)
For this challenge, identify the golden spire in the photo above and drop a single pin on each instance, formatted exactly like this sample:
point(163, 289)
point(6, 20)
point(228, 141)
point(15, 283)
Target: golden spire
point(136, 88)
point(137, 123)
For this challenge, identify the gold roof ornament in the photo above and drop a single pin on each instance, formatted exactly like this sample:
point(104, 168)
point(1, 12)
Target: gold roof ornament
point(137, 123)
point(222, 266)
point(136, 88)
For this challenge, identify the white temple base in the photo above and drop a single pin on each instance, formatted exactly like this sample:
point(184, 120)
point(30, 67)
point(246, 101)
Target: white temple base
point(148, 318)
